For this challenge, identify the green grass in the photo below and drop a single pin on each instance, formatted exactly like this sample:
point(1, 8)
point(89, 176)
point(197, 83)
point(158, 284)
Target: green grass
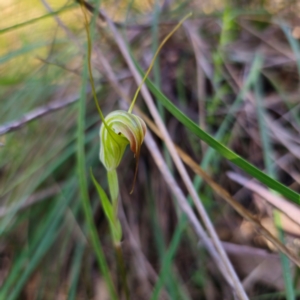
point(223, 150)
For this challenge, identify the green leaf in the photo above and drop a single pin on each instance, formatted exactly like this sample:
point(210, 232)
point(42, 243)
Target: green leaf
point(222, 149)
point(106, 204)
point(110, 213)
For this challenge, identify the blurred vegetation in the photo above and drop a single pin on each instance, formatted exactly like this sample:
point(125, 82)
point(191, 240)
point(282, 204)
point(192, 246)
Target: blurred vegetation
point(233, 69)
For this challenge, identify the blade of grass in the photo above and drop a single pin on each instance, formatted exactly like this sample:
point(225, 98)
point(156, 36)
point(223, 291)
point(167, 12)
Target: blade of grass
point(31, 21)
point(75, 271)
point(292, 41)
point(223, 150)
point(27, 49)
point(81, 165)
point(172, 285)
point(268, 153)
point(224, 128)
point(168, 259)
point(53, 166)
point(42, 241)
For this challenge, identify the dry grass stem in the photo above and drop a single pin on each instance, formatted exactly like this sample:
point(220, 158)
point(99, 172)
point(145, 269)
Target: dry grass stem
point(38, 113)
point(182, 202)
point(196, 43)
point(238, 207)
point(289, 209)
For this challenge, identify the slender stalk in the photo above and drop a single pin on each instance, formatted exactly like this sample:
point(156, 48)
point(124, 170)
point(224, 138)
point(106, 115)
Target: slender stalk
point(89, 53)
point(113, 185)
point(89, 58)
point(122, 270)
point(153, 60)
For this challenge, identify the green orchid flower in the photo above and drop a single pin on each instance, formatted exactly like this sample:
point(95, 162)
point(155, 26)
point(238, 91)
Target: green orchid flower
point(122, 128)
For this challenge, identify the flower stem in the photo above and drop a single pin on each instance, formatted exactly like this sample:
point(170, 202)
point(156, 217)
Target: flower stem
point(153, 60)
point(122, 270)
point(113, 185)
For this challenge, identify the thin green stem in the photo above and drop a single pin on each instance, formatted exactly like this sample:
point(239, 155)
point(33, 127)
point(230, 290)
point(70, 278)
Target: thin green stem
point(81, 163)
point(113, 185)
point(89, 52)
point(153, 60)
point(122, 270)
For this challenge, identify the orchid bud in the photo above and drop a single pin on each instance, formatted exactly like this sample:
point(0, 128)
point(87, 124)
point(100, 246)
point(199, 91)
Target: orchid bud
point(122, 128)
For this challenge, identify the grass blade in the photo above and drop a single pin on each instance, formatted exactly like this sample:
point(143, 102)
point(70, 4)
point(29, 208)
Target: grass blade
point(222, 149)
point(31, 21)
point(84, 189)
point(267, 151)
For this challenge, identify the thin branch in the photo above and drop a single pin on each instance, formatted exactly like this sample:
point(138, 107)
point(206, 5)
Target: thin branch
point(237, 206)
point(291, 210)
point(196, 43)
point(37, 113)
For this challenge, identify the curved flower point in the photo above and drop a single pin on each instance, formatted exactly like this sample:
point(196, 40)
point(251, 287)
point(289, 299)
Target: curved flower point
point(127, 129)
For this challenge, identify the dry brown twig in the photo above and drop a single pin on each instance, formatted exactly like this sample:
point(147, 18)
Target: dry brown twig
point(196, 43)
point(289, 209)
point(38, 113)
point(238, 207)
